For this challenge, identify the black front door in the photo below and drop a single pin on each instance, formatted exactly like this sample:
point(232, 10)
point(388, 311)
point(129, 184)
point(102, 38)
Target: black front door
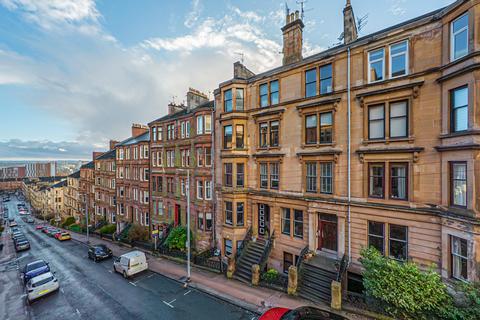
point(263, 219)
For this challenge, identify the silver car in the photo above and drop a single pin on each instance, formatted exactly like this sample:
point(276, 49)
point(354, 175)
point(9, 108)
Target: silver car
point(41, 285)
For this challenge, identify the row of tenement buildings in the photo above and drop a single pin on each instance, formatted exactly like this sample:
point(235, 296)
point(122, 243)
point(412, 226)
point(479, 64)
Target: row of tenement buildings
point(374, 142)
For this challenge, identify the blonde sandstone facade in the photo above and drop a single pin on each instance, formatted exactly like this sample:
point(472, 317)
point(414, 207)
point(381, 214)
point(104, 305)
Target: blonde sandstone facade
point(282, 146)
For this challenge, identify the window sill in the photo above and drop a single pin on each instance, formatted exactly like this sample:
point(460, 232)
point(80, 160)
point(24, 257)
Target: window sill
point(268, 148)
point(318, 145)
point(409, 139)
point(460, 134)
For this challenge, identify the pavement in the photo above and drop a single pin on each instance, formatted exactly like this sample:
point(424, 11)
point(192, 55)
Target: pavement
point(255, 299)
point(90, 290)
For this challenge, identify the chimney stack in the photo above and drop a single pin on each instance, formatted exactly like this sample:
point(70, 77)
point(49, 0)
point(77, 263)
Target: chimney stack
point(350, 32)
point(241, 72)
point(112, 144)
point(138, 129)
point(195, 98)
point(96, 154)
point(174, 108)
point(292, 38)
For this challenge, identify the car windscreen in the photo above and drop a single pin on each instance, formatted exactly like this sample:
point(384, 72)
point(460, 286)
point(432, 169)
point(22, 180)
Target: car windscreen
point(23, 242)
point(35, 265)
point(41, 282)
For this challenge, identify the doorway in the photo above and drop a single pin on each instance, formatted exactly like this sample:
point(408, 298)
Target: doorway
point(178, 215)
point(263, 219)
point(327, 232)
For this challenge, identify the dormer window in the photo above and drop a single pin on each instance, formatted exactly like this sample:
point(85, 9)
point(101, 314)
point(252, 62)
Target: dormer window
point(459, 37)
point(376, 65)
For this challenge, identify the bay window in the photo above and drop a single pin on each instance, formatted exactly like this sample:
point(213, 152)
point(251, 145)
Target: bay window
point(239, 99)
point(240, 214)
point(376, 180)
point(228, 174)
point(458, 184)
point(326, 175)
point(376, 122)
point(376, 236)
point(240, 175)
point(227, 137)
point(311, 177)
point(459, 109)
point(459, 258)
point(398, 242)
point(228, 212)
point(399, 181)
point(239, 136)
point(227, 101)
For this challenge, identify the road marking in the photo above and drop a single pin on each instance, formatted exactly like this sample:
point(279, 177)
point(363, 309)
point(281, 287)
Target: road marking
point(170, 303)
point(132, 283)
point(151, 275)
point(187, 292)
point(78, 312)
point(61, 290)
point(110, 271)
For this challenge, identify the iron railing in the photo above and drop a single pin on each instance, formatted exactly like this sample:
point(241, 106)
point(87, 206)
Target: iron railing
point(246, 240)
point(342, 268)
point(301, 257)
point(266, 251)
point(208, 259)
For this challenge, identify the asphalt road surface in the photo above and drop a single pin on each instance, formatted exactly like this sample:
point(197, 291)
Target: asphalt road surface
point(91, 290)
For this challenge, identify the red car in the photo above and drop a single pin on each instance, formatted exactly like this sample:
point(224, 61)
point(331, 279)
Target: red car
point(302, 313)
point(39, 227)
point(57, 234)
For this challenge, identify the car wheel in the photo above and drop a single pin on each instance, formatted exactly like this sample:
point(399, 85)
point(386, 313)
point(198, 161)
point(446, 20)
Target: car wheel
point(125, 275)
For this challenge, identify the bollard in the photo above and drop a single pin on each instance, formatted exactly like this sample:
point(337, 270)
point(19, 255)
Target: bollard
point(292, 280)
point(255, 274)
point(230, 268)
point(336, 302)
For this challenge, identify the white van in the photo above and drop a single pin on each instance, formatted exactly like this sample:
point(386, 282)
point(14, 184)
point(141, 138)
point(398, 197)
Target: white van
point(130, 263)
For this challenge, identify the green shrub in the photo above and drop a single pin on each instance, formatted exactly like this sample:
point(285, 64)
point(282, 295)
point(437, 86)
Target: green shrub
point(401, 289)
point(177, 238)
point(470, 310)
point(69, 221)
point(75, 228)
point(271, 275)
point(53, 222)
point(108, 229)
point(137, 233)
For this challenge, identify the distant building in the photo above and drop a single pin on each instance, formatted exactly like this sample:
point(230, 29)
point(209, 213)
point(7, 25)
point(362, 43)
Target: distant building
point(12, 172)
point(105, 202)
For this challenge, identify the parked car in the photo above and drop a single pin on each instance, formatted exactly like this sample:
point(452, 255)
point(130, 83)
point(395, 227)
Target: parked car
point(19, 238)
point(11, 219)
point(99, 252)
point(34, 269)
point(39, 227)
point(64, 236)
point(22, 245)
point(16, 234)
point(41, 285)
point(57, 233)
point(301, 313)
point(30, 220)
point(13, 223)
point(52, 232)
point(130, 263)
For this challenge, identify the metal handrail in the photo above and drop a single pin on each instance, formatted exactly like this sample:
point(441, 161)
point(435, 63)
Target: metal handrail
point(246, 240)
point(301, 257)
point(342, 268)
point(266, 251)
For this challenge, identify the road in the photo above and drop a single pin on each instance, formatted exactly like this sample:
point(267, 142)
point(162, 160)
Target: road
point(91, 290)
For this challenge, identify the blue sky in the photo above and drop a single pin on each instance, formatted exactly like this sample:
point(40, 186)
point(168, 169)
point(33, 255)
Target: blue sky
point(75, 73)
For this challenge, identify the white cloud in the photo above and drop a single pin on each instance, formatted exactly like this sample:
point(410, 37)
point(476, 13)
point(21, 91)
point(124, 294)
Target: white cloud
point(51, 13)
point(194, 14)
point(397, 7)
point(234, 33)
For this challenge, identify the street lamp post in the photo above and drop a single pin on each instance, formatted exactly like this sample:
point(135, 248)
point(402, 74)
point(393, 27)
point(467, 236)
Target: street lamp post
point(188, 225)
point(86, 216)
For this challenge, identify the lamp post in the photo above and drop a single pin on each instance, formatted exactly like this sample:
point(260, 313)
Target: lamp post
point(187, 189)
point(85, 198)
point(188, 225)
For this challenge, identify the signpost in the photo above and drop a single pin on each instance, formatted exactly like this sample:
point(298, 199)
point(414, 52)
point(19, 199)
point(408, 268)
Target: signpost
point(155, 236)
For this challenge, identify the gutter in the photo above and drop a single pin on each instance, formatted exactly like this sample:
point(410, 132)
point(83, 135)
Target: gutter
point(349, 165)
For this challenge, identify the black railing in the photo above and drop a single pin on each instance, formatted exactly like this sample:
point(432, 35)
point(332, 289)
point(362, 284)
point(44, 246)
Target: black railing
point(246, 240)
point(342, 268)
point(266, 251)
point(208, 259)
point(301, 257)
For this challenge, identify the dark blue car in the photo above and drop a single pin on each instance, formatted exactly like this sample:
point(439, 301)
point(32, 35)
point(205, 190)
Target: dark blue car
point(34, 269)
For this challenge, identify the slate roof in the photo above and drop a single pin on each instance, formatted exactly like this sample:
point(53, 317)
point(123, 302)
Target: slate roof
point(428, 17)
point(208, 104)
point(76, 174)
point(107, 155)
point(144, 137)
point(60, 184)
point(88, 165)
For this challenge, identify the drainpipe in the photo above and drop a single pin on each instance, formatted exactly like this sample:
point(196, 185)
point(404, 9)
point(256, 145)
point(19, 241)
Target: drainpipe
point(214, 193)
point(349, 182)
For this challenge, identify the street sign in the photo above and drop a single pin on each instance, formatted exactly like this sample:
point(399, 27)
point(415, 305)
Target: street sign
point(154, 232)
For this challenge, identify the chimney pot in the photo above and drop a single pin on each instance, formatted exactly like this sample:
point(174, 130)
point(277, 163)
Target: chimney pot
point(293, 39)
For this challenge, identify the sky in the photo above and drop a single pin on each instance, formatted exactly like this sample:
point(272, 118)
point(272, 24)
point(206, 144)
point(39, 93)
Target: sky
point(76, 73)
